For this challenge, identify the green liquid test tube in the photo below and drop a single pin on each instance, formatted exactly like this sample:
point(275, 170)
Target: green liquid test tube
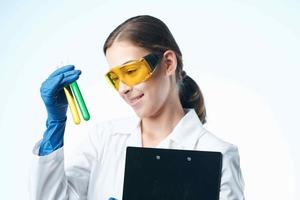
point(83, 109)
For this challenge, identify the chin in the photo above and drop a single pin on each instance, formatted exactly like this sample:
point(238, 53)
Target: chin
point(146, 112)
point(141, 114)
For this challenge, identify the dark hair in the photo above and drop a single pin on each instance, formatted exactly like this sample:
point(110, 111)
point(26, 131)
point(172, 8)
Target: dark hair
point(153, 35)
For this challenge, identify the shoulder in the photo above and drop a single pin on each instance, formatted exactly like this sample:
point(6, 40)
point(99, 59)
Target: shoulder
point(210, 142)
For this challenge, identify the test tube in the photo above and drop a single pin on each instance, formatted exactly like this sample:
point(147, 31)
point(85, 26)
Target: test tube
point(72, 105)
point(80, 101)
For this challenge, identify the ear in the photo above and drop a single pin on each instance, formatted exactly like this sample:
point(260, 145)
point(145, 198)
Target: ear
point(170, 62)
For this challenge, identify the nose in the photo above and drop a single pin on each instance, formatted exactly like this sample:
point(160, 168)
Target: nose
point(123, 88)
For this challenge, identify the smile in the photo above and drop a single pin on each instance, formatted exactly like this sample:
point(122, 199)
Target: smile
point(135, 100)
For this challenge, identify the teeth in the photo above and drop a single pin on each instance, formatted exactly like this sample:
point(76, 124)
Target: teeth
point(136, 98)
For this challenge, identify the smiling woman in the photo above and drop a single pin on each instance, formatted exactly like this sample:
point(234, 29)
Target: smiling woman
point(146, 69)
point(144, 34)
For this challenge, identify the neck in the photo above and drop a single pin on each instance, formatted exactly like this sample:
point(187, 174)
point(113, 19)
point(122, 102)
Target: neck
point(159, 126)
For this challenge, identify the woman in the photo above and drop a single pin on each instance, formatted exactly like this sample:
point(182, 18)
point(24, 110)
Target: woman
point(146, 69)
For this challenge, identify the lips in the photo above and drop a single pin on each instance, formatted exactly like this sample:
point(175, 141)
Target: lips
point(133, 101)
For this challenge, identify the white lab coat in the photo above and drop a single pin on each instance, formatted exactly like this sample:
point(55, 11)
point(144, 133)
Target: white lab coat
point(96, 171)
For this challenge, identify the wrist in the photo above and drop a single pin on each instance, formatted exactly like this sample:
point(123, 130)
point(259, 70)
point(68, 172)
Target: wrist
point(56, 119)
point(57, 114)
point(53, 136)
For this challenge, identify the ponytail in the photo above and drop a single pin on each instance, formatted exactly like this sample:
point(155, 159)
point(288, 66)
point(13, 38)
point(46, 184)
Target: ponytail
point(191, 96)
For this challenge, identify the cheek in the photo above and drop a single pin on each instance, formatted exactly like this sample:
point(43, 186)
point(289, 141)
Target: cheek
point(157, 91)
point(156, 95)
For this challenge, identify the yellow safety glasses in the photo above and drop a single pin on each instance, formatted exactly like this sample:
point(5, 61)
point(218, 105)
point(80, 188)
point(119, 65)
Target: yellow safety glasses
point(134, 72)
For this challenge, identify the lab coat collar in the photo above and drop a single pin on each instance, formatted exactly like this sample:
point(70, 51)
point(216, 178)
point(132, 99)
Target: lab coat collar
point(188, 130)
point(185, 133)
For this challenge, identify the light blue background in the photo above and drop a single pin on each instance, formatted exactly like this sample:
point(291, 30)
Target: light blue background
point(243, 54)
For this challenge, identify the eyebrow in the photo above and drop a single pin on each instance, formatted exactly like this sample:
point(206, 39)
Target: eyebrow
point(121, 64)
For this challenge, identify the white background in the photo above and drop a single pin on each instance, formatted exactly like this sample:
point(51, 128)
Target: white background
point(243, 54)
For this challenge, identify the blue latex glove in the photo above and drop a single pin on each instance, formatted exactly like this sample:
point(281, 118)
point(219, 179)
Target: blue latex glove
point(56, 104)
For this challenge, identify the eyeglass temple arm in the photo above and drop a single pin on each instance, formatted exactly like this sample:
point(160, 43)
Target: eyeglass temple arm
point(153, 59)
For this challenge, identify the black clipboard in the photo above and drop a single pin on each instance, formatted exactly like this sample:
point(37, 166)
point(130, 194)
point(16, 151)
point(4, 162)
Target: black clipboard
point(169, 174)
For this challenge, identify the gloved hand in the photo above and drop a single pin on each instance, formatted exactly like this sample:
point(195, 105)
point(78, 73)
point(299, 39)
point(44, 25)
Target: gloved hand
point(56, 104)
point(53, 94)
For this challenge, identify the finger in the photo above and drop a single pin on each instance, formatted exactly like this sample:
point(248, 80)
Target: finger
point(50, 86)
point(68, 80)
point(62, 70)
point(69, 76)
point(71, 73)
